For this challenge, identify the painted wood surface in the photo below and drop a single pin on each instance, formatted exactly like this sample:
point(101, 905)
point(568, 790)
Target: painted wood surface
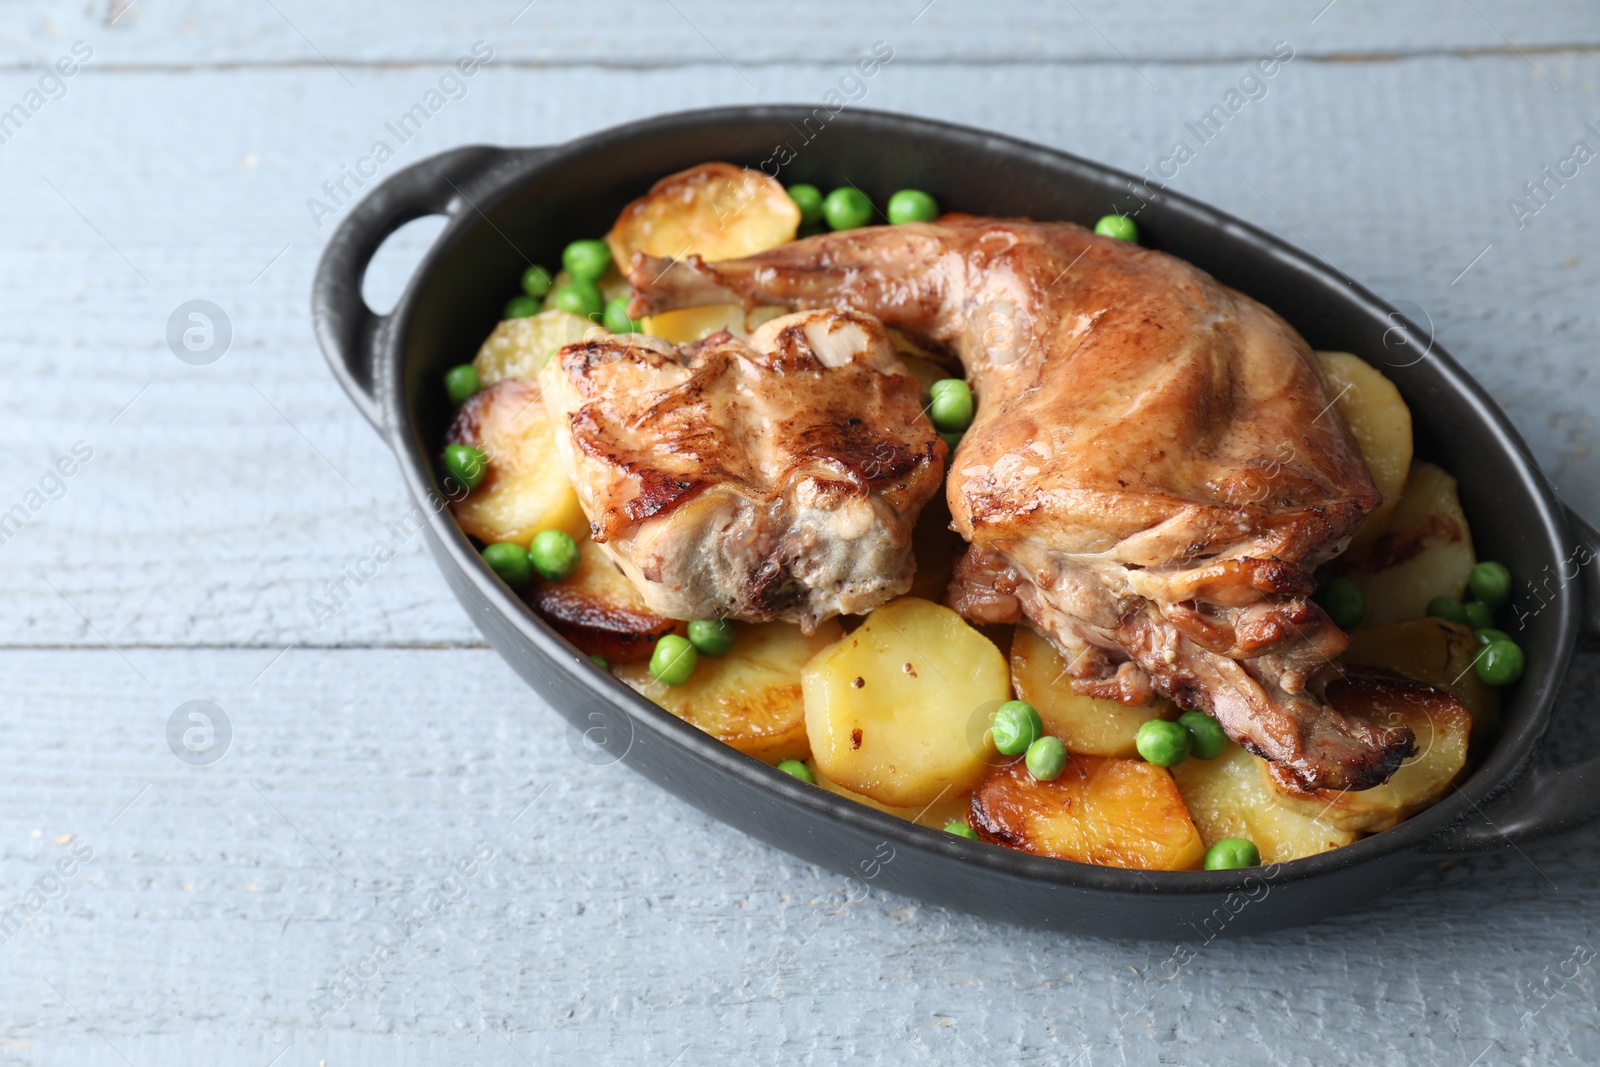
point(221, 497)
point(224, 905)
point(228, 908)
point(545, 33)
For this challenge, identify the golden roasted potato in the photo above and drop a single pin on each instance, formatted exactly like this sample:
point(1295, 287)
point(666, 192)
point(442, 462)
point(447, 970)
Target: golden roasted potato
point(696, 324)
point(714, 211)
point(1381, 423)
point(1114, 812)
point(926, 372)
point(518, 348)
point(952, 807)
point(924, 361)
point(523, 491)
point(1441, 724)
point(749, 698)
point(1229, 797)
point(1424, 551)
point(598, 609)
point(1085, 725)
point(898, 709)
point(1437, 652)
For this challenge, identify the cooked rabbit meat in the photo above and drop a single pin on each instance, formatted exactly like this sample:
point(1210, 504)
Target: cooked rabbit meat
point(778, 478)
point(1155, 468)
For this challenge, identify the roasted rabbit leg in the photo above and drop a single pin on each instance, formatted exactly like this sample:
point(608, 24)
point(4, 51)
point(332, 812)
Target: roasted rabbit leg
point(1155, 469)
point(774, 479)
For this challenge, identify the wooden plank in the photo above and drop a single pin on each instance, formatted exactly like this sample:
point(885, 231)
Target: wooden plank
point(717, 31)
point(219, 498)
point(222, 901)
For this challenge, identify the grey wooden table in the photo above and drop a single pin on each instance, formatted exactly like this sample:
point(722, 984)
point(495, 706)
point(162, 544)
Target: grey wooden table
point(301, 899)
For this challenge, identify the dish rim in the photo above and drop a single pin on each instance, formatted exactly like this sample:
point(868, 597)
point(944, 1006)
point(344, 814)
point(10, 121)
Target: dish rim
point(1501, 769)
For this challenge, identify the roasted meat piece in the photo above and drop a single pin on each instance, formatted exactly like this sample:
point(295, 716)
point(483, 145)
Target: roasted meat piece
point(1155, 469)
point(777, 478)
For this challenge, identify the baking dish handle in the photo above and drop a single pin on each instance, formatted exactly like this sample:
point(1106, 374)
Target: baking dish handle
point(347, 330)
point(1548, 799)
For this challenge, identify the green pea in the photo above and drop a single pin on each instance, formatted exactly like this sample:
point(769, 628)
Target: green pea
point(466, 464)
point(581, 297)
point(1206, 737)
point(1119, 226)
point(616, 317)
point(1016, 726)
point(951, 406)
point(911, 205)
point(1500, 662)
point(1489, 634)
point(587, 260)
point(1046, 759)
point(1479, 615)
point(1448, 608)
point(1491, 583)
point(521, 307)
point(536, 281)
point(847, 208)
point(461, 382)
point(808, 198)
point(600, 661)
point(951, 440)
point(713, 637)
point(1166, 744)
point(792, 767)
point(1344, 602)
point(673, 660)
point(554, 554)
point(510, 561)
point(1232, 853)
point(961, 829)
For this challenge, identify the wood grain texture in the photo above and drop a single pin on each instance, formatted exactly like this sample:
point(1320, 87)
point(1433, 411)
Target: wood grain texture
point(226, 495)
point(708, 31)
point(224, 904)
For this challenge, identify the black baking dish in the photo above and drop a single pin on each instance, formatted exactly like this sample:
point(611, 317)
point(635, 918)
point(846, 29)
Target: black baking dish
point(507, 207)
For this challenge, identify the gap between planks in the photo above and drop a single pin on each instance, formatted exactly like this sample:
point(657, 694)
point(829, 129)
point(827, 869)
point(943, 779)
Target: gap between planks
point(178, 646)
point(1394, 56)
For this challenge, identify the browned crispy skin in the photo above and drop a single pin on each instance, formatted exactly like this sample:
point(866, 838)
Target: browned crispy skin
point(598, 609)
point(778, 478)
point(1155, 468)
point(1379, 696)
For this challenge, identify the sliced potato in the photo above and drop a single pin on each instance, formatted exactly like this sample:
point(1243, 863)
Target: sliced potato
point(898, 710)
point(714, 211)
point(598, 609)
point(523, 491)
point(952, 807)
point(1437, 652)
point(1114, 812)
point(749, 698)
point(1381, 423)
point(1229, 797)
point(518, 348)
point(925, 362)
point(1441, 724)
point(926, 372)
point(1084, 724)
point(696, 324)
point(1424, 551)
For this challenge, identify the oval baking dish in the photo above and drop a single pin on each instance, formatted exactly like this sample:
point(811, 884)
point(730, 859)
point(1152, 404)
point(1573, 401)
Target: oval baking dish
point(507, 207)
